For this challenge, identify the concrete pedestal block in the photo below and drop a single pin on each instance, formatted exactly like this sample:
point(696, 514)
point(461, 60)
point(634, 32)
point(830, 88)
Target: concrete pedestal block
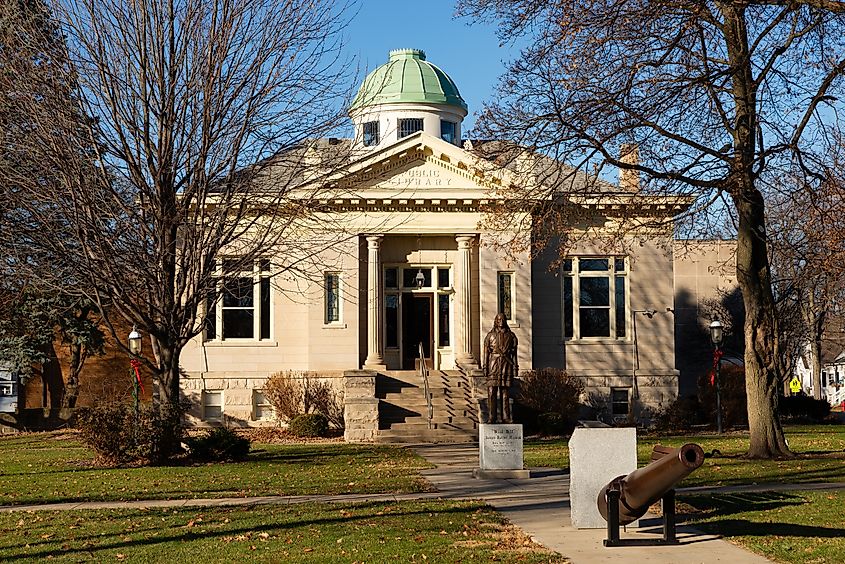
point(597, 456)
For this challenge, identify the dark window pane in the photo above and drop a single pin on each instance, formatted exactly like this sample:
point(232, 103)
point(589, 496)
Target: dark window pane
point(332, 298)
point(265, 308)
point(390, 278)
point(595, 291)
point(620, 306)
point(231, 265)
point(237, 324)
point(409, 125)
point(595, 322)
point(442, 277)
point(237, 292)
point(443, 321)
point(371, 133)
point(567, 308)
point(505, 295)
point(593, 265)
point(264, 265)
point(210, 319)
point(391, 320)
point(619, 401)
point(447, 131)
point(619, 264)
point(409, 277)
point(567, 265)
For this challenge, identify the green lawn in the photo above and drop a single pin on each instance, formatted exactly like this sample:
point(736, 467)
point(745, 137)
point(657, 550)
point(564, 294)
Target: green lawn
point(433, 531)
point(799, 527)
point(50, 468)
point(820, 450)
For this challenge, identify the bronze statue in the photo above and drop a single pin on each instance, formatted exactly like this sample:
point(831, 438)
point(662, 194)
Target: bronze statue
point(500, 366)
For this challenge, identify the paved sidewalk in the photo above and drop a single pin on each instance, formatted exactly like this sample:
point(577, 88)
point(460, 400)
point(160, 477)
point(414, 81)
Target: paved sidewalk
point(540, 507)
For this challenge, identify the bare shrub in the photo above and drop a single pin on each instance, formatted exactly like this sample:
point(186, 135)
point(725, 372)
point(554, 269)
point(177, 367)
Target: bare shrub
point(550, 391)
point(294, 393)
point(284, 392)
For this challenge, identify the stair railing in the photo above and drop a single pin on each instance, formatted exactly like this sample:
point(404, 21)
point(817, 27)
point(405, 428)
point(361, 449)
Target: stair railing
point(424, 376)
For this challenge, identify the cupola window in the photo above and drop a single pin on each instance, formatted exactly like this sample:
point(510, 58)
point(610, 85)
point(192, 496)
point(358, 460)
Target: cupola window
point(371, 133)
point(409, 126)
point(447, 131)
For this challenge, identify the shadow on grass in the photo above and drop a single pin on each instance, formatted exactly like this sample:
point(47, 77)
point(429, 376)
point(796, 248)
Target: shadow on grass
point(119, 540)
point(720, 505)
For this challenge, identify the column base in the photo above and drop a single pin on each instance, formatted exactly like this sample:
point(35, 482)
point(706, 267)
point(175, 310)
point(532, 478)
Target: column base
point(377, 367)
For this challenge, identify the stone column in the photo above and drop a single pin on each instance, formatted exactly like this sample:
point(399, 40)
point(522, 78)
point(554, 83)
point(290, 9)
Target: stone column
point(463, 302)
point(375, 358)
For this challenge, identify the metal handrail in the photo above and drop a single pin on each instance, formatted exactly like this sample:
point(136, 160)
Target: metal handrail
point(424, 376)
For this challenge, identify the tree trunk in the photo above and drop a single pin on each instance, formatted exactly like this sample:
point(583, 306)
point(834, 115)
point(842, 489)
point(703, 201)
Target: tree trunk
point(167, 356)
point(761, 348)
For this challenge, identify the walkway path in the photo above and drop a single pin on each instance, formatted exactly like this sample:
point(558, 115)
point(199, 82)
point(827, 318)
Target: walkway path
point(539, 506)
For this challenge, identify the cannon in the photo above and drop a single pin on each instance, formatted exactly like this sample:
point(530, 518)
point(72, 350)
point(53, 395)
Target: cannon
point(627, 498)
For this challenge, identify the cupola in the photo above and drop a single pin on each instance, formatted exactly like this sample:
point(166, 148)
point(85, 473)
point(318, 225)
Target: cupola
point(405, 95)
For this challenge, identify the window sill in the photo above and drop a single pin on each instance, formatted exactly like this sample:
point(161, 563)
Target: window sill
point(240, 343)
point(334, 326)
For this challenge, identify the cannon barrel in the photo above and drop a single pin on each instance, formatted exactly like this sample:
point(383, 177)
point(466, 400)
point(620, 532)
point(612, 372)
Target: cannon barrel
point(642, 487)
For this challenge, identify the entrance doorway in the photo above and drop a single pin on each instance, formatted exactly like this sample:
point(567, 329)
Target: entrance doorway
point(417, 327)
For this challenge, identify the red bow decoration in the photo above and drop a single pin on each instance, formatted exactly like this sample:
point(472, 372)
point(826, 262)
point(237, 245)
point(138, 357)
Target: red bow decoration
point(136, 364)
point(717, 356)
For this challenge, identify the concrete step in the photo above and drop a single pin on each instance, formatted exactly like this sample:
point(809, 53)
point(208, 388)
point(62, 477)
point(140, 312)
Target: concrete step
point(427, 436)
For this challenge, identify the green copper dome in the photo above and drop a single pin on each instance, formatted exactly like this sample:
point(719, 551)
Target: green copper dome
point(408, 77)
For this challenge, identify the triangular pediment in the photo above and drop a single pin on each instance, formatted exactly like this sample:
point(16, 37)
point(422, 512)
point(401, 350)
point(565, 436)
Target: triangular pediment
point(422, 166)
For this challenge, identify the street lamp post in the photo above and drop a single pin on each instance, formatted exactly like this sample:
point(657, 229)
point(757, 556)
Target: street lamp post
point(135, 362)
point(716, 337)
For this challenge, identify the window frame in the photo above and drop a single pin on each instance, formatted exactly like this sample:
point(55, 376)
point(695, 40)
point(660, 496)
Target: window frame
point(263, 314)
point(327, 317)
point(402, 121)
point(613, 402)
point(512, 291)
point(571, 282)
point(371, 138)
point(205, 405)
point(454, 125)
point(261, 406)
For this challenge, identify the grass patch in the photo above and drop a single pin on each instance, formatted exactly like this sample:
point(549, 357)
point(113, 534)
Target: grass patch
point(52, 468)
point(820, 450)
point(800, 527)
point(434, 531)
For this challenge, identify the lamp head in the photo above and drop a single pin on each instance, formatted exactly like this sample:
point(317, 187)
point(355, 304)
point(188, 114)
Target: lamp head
point(716, 334)
point(419, 279)
point(135, 341)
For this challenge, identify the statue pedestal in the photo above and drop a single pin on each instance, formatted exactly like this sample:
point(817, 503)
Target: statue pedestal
point(500, 452)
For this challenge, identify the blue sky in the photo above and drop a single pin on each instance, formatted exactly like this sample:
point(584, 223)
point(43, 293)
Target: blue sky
point(470, 54)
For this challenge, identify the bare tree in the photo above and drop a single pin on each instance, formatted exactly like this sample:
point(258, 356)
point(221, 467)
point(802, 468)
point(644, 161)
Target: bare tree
point(721, 98)
point(807, 257)
point(200, 148)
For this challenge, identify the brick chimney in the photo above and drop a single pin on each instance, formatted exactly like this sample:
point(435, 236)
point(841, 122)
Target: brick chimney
point(629, 180)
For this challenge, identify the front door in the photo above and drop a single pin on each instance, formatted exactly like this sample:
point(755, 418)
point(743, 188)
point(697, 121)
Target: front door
point(417, 328)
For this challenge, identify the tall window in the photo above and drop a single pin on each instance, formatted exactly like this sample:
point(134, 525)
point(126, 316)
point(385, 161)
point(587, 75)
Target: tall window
point(595, 295)
point(332, 297)
point(505, 284)
point(409, 126)
point(243, 308)
point(447, 131)
point(371, 133)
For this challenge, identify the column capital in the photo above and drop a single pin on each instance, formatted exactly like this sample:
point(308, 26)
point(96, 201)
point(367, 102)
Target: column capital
point(374, 241)
point(464, 240)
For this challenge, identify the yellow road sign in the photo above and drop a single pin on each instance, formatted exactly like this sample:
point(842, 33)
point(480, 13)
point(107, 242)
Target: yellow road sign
point(795, 385)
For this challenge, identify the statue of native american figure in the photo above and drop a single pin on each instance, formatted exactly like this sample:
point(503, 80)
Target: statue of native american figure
point(500, 367)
